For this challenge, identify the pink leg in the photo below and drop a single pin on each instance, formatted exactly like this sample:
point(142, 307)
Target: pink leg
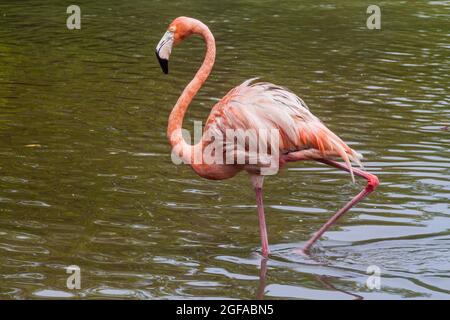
point(262, 221)
point(372, 183)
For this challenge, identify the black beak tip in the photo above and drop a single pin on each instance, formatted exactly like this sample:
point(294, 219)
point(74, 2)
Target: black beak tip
point(164, 63)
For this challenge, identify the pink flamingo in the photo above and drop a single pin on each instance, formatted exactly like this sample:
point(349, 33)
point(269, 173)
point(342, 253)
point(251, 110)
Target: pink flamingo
point(302, 136)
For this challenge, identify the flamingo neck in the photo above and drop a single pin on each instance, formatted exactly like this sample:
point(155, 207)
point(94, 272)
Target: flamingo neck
point(174, 134)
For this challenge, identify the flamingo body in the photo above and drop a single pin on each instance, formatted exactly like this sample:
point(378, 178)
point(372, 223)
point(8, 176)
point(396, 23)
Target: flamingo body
point(263, 105)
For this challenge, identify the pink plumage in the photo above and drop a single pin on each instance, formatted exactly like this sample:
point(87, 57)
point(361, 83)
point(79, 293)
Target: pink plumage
point(263, 105)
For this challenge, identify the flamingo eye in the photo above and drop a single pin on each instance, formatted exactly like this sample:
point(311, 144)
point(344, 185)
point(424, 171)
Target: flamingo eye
point(173, 29)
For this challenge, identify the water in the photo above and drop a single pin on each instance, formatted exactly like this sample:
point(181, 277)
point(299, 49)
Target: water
point(86, 177)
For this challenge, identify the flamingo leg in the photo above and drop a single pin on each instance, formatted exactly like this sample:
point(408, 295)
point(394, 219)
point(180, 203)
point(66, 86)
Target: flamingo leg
point(372, 183)
point(262, 222)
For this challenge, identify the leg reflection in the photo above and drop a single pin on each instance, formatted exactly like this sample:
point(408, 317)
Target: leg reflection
point(325, 281)
point(262, 279)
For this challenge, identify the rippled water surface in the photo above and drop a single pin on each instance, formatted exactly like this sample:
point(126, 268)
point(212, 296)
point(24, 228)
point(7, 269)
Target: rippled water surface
point(86, 177)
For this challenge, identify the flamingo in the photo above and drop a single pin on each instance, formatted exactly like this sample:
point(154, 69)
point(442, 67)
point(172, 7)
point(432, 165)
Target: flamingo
point(256, 105)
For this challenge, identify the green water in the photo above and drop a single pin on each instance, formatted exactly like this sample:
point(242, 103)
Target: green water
point(86, 177)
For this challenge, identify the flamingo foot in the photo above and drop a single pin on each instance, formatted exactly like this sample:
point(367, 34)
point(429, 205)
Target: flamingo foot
point(372, 184)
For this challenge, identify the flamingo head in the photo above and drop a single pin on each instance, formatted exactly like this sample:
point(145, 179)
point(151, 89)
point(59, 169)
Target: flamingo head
point(178, 30)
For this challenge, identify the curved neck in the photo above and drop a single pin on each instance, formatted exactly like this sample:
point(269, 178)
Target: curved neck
point(174, 134)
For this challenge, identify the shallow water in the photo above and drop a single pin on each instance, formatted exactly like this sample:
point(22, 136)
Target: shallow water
point(86, 177)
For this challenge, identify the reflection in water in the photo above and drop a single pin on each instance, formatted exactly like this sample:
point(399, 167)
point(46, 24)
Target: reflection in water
point(326, 282)
point(262, 279)
point(86, 176)
point(323, 279)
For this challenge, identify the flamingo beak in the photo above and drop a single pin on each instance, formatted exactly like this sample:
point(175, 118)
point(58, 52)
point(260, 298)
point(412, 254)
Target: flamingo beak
point(163, 50)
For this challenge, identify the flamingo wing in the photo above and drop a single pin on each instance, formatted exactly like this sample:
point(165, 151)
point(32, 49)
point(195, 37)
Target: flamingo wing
point(263, 105)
